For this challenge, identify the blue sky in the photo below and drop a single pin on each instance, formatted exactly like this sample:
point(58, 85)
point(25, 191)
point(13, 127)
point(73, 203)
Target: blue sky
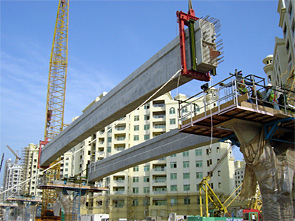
point(108, 40)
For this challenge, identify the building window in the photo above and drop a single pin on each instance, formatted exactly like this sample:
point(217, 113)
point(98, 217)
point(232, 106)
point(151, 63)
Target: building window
point(109, 139)
point(135, 169)
point(217, 149)
point(146, 179)
point(173, 165)
point(136, 127)
point(146, 168)
point(186, 175)
point(172, 121)
point(173, 176)
point(198, 152)
point(136, 137)
point(135, 189)
point(146, 189)
point(118, 203)
point(173, 201)
point(147, 106)
point(185, 164)
point(185, 153)
point(146, 127)
point(135, 202)
point(172, 110)
point(184, 110)
point(174, 155)
point(146, 137)
point(146, 201)
point(186, 187)
point(208, 151)
point(160, 202)
point(146, 117)
point(219, 172)
point(199, 175)
point(173, 188)
point(196, 108)
point(187, 200)
point(136, 118)
point(199, 163)
point(135, 179)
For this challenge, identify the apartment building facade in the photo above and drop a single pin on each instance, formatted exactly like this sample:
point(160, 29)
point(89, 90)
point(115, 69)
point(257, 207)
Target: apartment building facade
point(13, 176)
point(154, 189)
point(280, 66)
point(31, 172)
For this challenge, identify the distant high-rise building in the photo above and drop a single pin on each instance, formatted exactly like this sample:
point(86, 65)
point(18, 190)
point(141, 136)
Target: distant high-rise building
point(13, 176)
point(239, 173)
point(31, 171)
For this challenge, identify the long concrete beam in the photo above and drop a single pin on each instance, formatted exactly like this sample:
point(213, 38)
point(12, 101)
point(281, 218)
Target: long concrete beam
point(135, 89)
point(121, 100)
point(163, 145)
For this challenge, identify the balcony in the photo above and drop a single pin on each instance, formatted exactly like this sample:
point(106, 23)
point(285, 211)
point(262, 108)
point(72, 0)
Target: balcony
point(160, 180)
point(119, 192)
point(120, 128)
point(159, 118)
point(159, 107)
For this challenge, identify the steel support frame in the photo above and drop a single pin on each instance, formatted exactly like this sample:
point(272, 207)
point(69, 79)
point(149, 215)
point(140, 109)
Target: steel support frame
point(188, 20)
point(272, 127)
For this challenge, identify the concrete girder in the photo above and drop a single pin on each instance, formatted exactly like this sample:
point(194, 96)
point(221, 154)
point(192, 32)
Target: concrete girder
point(163, 145)
point(121, 100)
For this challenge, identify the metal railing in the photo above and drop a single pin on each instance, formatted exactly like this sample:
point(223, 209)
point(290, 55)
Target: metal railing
point(230, 90)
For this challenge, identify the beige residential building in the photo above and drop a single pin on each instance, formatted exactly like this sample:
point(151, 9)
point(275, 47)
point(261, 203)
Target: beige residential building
point(30, 171)
point(279, 67)
point(239, 173)
point(153, 189)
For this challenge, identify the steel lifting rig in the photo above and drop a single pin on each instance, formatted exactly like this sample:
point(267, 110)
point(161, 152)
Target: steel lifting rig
point(189, 20)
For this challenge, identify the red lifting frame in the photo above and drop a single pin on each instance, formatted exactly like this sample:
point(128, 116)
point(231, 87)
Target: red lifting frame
point(41, 143)
point(183, 19)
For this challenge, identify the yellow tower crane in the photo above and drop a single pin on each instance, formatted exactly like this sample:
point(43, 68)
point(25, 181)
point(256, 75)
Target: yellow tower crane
point(54, 121)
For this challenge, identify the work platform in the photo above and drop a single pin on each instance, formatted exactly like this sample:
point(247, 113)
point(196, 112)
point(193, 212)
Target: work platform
point(209, 112)
point(72, 186)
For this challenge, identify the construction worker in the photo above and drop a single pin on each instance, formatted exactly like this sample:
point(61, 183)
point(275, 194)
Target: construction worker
point(256, 95)
point(241, 84)
point(270, 97)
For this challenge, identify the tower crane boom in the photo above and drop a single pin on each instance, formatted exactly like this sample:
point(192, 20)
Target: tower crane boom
point(16, 156)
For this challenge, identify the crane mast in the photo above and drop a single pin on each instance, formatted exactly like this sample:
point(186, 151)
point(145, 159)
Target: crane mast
point(54, 120)
point(57, 74)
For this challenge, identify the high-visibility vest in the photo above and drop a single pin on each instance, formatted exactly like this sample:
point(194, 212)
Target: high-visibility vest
point(272, 96)
point(242, 87)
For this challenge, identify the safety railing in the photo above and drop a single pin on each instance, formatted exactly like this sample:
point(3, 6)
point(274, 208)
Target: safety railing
point(230, 89)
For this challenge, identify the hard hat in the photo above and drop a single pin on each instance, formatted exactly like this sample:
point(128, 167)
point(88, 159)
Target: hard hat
point(240, 73)
point(269, 85)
